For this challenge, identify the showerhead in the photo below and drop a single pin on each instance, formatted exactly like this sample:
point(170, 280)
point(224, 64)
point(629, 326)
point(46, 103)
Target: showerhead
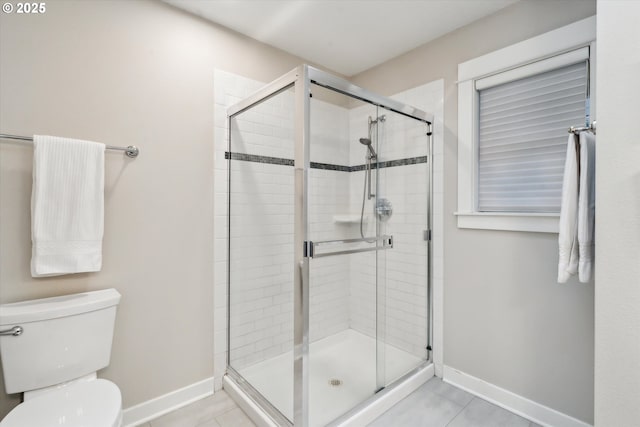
point(367, 142)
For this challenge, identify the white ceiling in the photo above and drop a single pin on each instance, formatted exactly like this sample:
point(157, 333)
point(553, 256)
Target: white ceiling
point(347, 36)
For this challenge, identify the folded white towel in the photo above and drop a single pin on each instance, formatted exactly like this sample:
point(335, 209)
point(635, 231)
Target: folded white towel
point(567, 238)
point(586, 205)
point(67, 206)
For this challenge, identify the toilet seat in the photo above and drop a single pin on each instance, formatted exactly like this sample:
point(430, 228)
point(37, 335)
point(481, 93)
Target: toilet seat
point(96, 403)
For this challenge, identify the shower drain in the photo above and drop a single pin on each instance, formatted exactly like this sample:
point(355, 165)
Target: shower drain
point(334, 382)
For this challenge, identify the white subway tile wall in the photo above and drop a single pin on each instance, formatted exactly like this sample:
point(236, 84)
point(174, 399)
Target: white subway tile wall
point(401, 299)
point(261, 267)
point(328, 195)
point(261, 249)
point(343, 288)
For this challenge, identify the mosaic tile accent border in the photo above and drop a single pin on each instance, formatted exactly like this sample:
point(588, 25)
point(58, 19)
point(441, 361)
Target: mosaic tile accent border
point(325, 166)
point(258, 159)
point(330, 167)
point(391, 163)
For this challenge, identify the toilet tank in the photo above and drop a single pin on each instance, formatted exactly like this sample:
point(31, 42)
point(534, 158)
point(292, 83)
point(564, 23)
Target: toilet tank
point(63, 338)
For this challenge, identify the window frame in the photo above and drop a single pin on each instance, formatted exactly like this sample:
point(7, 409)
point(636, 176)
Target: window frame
point(562, 40)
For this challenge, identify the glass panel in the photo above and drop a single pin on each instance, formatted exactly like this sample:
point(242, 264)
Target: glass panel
point(342, 331)
point(261, 248)
point(401, 207)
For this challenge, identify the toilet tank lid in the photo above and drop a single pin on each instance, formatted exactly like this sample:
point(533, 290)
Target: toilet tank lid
point(51, 308)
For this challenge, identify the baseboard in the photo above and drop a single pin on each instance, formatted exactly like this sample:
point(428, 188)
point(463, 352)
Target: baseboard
point(146, 411)
point(517, 404)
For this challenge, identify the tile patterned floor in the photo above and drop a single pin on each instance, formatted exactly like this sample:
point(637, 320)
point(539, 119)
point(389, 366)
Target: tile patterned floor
point(435, 404)
point(438, 404)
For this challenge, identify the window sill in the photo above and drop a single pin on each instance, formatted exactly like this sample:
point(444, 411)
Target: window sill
point(532, 222)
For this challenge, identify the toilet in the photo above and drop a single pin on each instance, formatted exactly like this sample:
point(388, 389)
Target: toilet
point(50, 350)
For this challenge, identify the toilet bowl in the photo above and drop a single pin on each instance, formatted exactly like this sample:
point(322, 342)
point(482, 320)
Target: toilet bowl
point(51, 349)
point(88, 404)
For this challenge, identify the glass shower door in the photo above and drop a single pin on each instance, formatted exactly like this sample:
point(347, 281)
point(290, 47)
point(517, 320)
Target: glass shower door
point(401, 210)
point(343, 255)
point(367, 215)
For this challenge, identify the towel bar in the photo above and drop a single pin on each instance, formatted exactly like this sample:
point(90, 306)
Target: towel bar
point(590, 128)
point(131, 151)
point(381, 243)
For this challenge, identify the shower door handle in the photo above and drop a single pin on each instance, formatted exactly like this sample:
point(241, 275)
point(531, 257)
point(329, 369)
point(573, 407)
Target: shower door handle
point(381, 243)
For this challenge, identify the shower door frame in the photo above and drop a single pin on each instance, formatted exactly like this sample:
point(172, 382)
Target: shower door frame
point(301, 78)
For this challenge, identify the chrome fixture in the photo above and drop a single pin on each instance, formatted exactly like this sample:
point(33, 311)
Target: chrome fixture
point(384, 209)
point(573, 129)
point(382, 242)
point(15, 331)
point(371, 155)
point(367, 142)
point(131, 151)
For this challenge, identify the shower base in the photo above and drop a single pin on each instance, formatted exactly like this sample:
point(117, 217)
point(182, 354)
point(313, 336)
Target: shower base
point(342, 375)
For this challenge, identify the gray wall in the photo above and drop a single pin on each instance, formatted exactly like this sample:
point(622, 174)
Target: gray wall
point(617, 378)
point(127, 72)
point(142, 72)
point(506, 320)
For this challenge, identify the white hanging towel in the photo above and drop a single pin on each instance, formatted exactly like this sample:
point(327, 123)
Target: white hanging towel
point(67, 206)
point(586, 205)
point(567, 238)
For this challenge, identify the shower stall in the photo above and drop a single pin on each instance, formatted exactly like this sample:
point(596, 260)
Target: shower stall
point(328, 266)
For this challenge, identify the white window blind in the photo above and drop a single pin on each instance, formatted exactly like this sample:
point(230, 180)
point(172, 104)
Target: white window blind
point(522, 139)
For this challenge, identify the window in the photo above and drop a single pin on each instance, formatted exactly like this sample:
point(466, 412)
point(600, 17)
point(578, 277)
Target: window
point(513, 122)
point(522, 139)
